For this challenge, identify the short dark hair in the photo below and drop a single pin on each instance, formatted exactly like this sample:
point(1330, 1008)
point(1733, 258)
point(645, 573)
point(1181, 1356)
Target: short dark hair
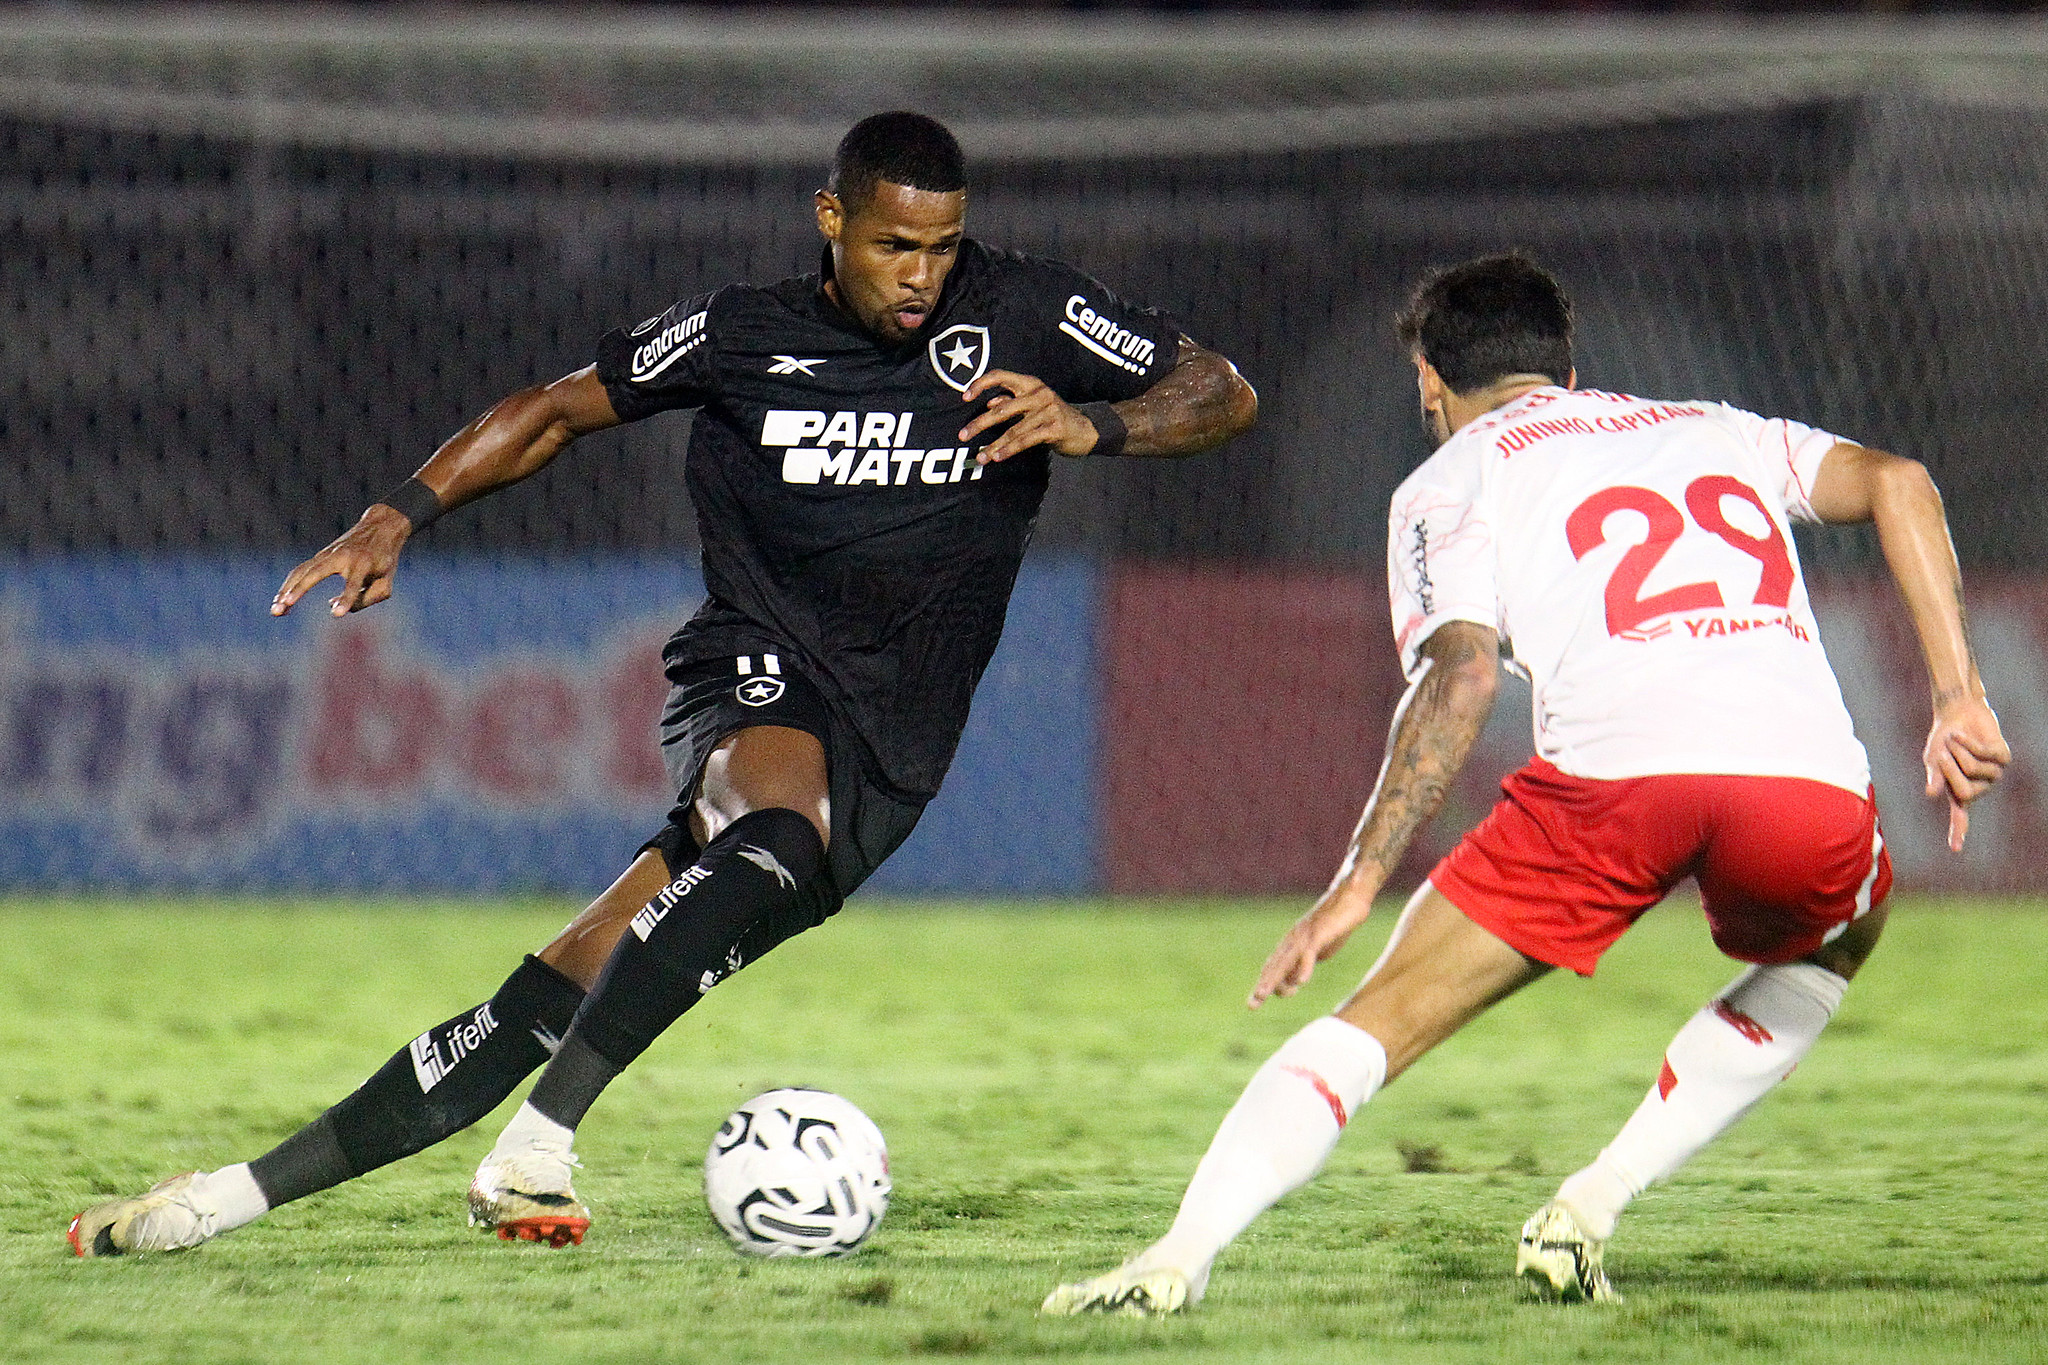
point(1488, 319)
point(900, 147)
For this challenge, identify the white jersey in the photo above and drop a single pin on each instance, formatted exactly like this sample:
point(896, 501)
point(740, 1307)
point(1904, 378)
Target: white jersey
point(1636, 559)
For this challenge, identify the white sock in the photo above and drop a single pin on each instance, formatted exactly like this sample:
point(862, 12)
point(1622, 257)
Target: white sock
point(530, 1127)
point(1726, 1058)
point(1272, 1141)
point(234, 1195)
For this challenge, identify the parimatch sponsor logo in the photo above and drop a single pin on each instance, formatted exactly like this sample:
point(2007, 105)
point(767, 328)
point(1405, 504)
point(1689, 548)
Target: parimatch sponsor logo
point(656, 910)
point(435, 1052)
point(1120, 346)
point(668, 345)
point(860, 449)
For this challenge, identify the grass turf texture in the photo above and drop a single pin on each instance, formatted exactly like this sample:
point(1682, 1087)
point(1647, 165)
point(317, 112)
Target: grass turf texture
point(1046, 1078)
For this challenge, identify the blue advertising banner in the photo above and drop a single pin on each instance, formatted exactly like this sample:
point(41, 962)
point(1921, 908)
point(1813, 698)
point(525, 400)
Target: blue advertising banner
point(490, 729)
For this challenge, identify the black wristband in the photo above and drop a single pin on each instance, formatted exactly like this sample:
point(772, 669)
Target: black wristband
point(1110, 431)
point(416, 502)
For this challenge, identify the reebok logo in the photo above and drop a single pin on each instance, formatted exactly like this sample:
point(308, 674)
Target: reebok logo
point(668, 345)
point(856, 449)
point(437, 1050)
point(768, 862)
point(656, 910)
point(789, 364)
point(1120, 347)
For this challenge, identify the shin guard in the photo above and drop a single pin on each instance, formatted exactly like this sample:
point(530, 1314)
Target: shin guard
point(759, 882)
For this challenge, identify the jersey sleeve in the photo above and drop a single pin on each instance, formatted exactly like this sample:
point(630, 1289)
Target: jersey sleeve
point(1440, 562)
point(1091, 346)
point(666, 362)
point(1792, 451)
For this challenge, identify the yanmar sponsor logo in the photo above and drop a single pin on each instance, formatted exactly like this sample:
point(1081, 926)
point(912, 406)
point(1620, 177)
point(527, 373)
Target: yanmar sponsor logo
point(1121, 347)
point(1717, 625)
point(860, 449)
point(668, 345)
point(1709, 627)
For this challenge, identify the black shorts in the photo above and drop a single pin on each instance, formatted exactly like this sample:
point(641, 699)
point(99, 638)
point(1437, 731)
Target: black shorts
point(710, 701)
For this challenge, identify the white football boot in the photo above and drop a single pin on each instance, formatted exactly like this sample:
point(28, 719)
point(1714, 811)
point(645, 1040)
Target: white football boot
point(1127, 1292)
point(1557, 1260)
point(171, 1216)
point(525, 1194)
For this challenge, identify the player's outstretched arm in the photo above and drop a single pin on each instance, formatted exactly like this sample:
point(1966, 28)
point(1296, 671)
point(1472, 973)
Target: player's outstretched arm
point(512, 440)
point(1965, 750)
point(1433, 732)
point(1201, 402)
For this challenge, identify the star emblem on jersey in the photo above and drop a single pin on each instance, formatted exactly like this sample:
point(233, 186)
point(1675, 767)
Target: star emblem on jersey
point(758, 691)
point(789, 364)
point(959, 355)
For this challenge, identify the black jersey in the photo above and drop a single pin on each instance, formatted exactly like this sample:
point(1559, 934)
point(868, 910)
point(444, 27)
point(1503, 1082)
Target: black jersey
point(839, 510)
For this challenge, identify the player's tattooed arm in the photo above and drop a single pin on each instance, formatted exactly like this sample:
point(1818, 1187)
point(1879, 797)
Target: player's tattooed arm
point(1201, 402)
point(511, 441)
point(1434, 728)
point(1965, 751)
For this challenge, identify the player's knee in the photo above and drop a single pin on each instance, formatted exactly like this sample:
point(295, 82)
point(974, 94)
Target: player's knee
point(1846, 955)
point(789, 846)
point(765, 768)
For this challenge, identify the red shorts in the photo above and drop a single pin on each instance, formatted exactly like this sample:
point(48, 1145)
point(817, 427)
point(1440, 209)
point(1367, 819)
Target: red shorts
point(1564, 865)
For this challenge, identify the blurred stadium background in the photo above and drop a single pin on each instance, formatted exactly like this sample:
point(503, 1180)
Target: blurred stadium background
point(254, 265)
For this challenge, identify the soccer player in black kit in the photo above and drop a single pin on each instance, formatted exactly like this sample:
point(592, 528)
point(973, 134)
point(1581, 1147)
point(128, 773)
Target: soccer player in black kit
point(870, 452)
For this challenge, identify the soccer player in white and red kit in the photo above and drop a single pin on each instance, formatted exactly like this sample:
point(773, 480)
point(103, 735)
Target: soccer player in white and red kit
point(1633, 559)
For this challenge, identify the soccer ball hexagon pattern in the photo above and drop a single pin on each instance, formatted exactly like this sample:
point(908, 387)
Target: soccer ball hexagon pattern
point(798, 1173)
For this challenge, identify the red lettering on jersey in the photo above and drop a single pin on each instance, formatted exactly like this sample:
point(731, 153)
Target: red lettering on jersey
point(1704, 627)
point(1703, 499)
point(1742, 1023)
point(1627, 609)
point(1518, 437)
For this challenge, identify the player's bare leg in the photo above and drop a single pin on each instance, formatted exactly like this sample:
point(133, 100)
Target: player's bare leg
point(761, 817)
point(1727, 1057)
point(1438, 973)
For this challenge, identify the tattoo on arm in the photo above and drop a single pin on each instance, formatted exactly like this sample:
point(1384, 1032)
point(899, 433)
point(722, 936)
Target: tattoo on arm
point(1433, 732)
point(1201, 402)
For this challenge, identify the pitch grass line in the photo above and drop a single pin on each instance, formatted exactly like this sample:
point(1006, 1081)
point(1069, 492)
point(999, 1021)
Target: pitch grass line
point(1046, 1077)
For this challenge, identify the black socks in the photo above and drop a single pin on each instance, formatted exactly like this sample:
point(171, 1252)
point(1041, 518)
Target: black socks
point(446, 1079)
point(758, 883)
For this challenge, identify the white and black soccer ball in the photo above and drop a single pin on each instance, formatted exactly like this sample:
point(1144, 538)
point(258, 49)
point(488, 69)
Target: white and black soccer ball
point(798, 1173)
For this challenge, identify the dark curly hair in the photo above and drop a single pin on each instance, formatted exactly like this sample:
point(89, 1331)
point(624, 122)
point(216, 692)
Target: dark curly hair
point(1487, 319)
point(900, 147)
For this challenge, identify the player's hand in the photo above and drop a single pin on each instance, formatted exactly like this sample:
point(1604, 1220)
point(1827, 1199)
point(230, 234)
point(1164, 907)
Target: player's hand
point(1965, 754)
point(365, 556)
point(1041, 417)
point(1315, 936)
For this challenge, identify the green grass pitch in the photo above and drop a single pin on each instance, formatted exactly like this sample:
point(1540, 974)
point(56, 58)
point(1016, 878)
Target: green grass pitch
point(1047, 1077)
